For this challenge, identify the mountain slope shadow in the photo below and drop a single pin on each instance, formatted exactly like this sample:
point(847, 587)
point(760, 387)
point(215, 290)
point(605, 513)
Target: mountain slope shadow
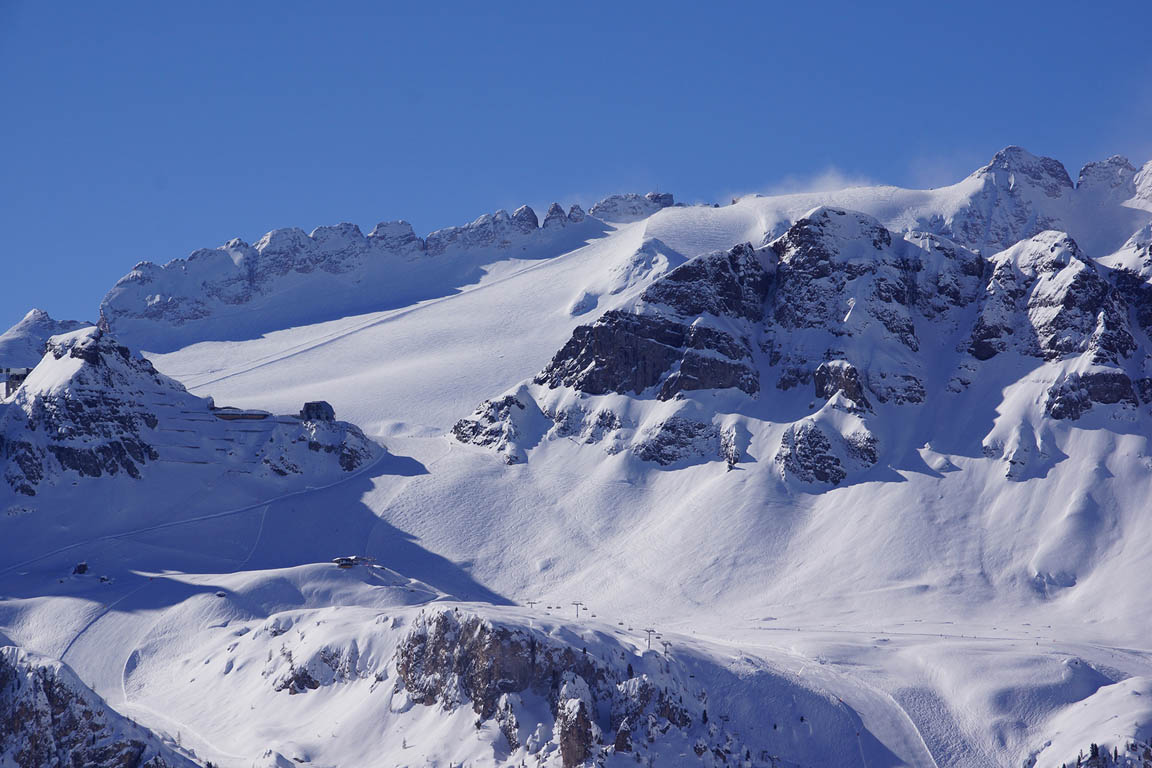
point(312, 527)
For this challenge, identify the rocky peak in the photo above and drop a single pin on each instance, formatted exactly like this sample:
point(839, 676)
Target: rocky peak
point(395, 236)
point(1014, 165)
point(662, 199)
point(555, 217)
point(525, 219)
point(490, 230)
point(22, 345)
point(576, 213)
point(822, 234)
point(342, 232)
point(283, 244)
point(1114, 178)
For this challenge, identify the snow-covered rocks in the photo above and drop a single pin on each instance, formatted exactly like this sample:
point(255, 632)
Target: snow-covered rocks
point(49, 717)
point(630, 207)
point(1018, 195)
point(556, 694)
point(663, 345)
point(1048, 300)
point(92, 408)
point(1113, 179)
point(22, 345)
point(840, 376)
point(678, 438)
point(827, 447)
point(507, 425)
point(290, 276)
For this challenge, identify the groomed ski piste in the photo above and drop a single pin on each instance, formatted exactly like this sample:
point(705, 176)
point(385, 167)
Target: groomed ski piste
point(974, 597)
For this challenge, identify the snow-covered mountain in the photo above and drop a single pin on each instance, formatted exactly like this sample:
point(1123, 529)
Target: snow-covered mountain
point(93, 408)
point(872, 462)
point(289, 276)
point(22, 345)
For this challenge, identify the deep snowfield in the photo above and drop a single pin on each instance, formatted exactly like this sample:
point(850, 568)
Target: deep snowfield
point(931, 611)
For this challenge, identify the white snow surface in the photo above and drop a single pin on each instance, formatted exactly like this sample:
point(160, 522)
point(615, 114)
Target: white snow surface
point(977, 597)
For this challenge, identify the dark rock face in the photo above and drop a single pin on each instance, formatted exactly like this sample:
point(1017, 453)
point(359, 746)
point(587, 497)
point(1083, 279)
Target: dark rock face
point(624, 352)
point(814, 271)
point(1075, 394)
point(451, 659)
point(485, 662)
point(575, 733)
point(525, 219)
point(734, 283)
point(678, 438)
point(806, 453)
point(840, 276)
point(492, 424)
point(840, 376)
point(555, 217)
point(816, 453)
point(317, 410)
point(47, 718)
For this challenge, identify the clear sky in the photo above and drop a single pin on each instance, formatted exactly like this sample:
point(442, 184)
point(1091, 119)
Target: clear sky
point(140, 131)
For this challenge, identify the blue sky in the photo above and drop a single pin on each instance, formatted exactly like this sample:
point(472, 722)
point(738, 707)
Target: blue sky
point(140, 131)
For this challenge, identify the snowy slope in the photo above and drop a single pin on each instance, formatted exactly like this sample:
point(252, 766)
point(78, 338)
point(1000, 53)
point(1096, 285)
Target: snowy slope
point(882, 451)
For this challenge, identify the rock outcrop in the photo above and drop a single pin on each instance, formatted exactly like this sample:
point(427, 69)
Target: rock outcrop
point(1045, 299)
point(92, 408)
point(630, 207)
point(826, 448)
point(507, 425)
point(49, 718)
point(452, 659)
point(665, 346)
